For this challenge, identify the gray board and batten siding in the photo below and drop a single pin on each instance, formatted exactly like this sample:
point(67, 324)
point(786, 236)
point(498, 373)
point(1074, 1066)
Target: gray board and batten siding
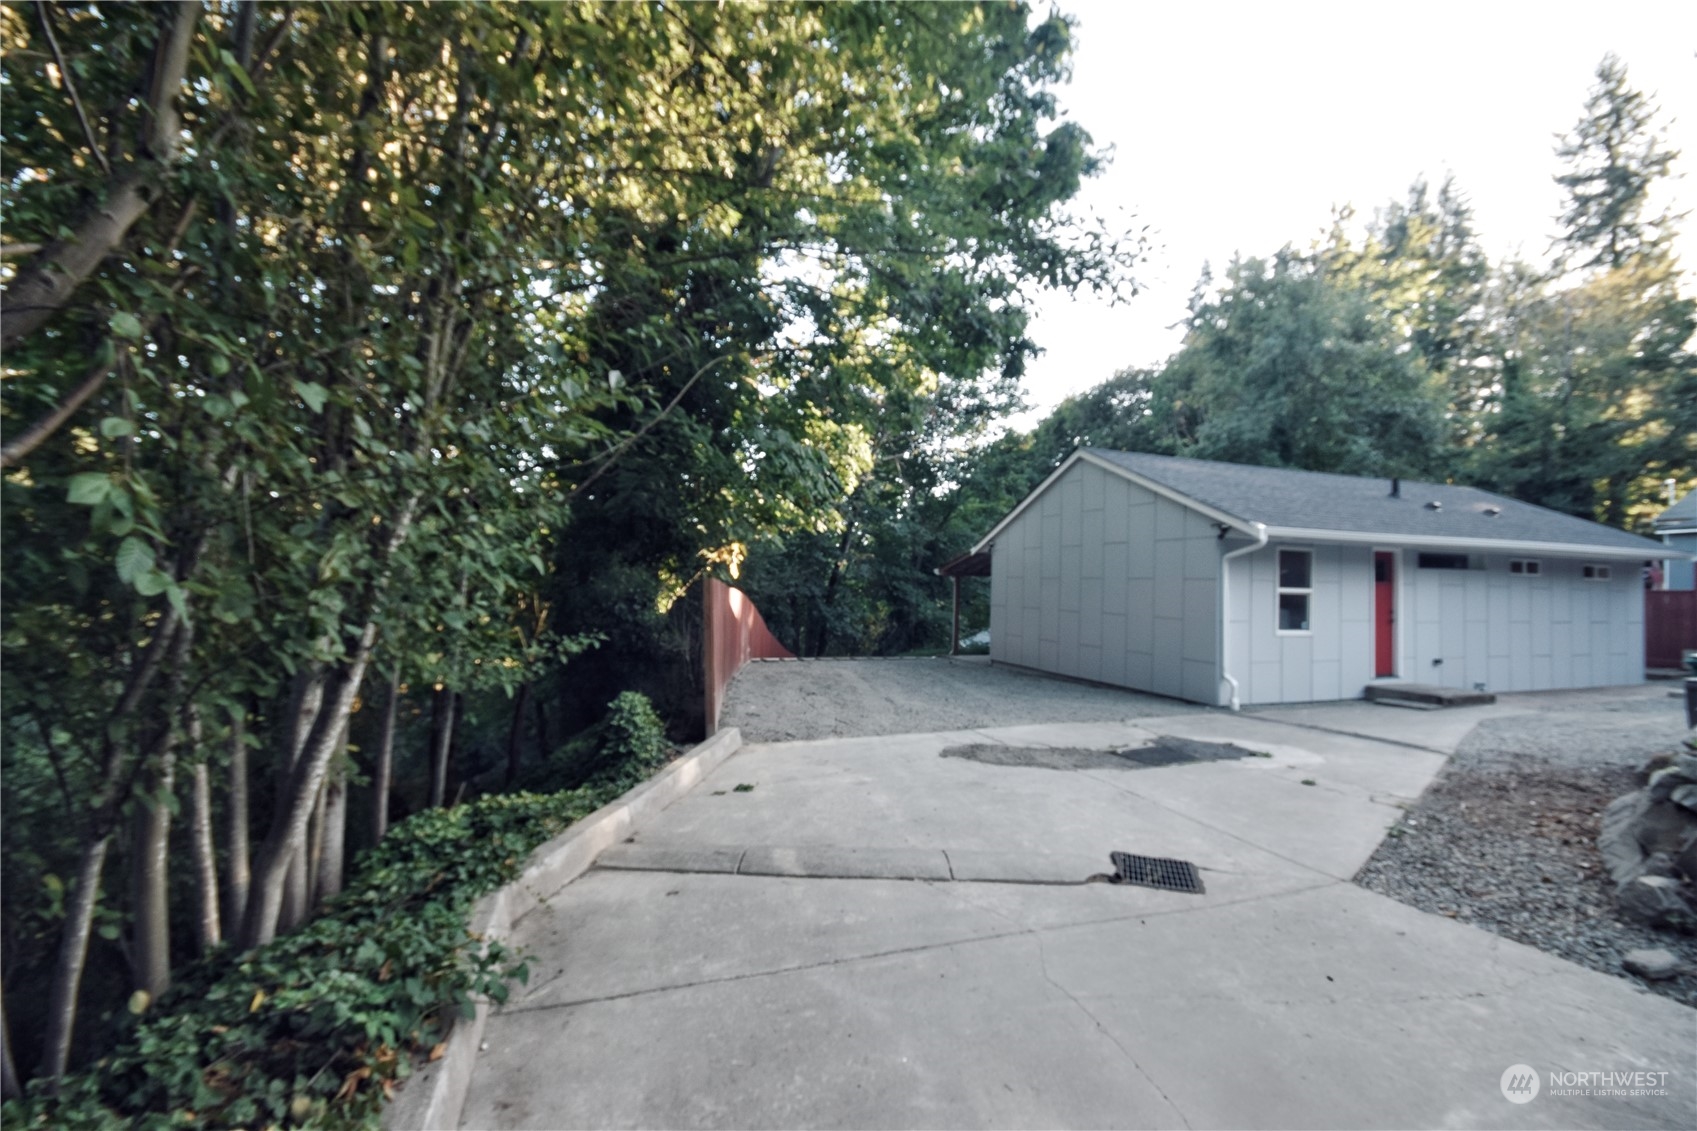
point(1100, 577)
point(1105, 580)
point(1510, 632)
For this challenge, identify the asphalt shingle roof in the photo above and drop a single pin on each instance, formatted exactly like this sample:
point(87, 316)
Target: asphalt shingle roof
point(1682, 514)
point(1312, 500)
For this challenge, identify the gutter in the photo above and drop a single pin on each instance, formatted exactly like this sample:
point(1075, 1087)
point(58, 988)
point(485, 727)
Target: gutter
point(1647, 552)
point(1226, 605)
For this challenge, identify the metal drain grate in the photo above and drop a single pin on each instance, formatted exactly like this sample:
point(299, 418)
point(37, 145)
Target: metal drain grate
point(1156, 872)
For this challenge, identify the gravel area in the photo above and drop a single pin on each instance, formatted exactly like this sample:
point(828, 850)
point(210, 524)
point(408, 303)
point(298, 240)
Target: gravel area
point(1608, 726)
point(1506, 837)
point(796, 700)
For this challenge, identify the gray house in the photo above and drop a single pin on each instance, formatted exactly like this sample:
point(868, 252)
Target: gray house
point(1677, 527)
point(1227, 584)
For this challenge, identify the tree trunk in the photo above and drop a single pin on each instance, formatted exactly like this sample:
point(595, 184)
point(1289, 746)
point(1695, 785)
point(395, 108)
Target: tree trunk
point(236, 822)
point(384, 770)
point(117, 758)
point(441, 746)
point(296, 889)
point(79, 914)
point(152, 874)
point(152, 860)
point(10, 1087)
point(46, 283)
point(333, 839)
point(200, 824)
point(837, 568)
point(315, 846)
point(456, 754)
point(542, 750)
point(515, 731)
point(305, 707)
point(73, 955)
point(288, 836)
point(265, 899)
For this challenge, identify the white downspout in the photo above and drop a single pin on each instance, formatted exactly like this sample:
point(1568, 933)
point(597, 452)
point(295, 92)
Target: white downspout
point(1226, 604)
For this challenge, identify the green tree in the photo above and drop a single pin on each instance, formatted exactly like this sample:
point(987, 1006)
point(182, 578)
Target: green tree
point(1420, 266)
point(1613, 156)
point(1597, 395)
point(1281, 366)
point(427, 313)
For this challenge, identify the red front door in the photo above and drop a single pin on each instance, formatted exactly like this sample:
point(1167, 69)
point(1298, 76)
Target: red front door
point(1384, 613)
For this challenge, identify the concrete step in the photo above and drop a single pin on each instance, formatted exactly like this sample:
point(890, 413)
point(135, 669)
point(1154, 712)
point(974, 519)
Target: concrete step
point(1426, 694)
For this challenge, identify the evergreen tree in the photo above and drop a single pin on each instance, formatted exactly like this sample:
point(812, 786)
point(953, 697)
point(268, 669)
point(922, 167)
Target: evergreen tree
point(1613, 155)
point(1597, 394)
point(1420, 263)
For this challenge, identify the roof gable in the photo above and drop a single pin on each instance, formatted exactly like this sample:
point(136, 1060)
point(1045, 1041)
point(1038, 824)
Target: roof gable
point(1681, 514)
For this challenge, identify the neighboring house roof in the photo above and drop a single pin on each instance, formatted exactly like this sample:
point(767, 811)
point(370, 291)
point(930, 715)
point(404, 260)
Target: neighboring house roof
point(1681, 516)
point(1314, 505)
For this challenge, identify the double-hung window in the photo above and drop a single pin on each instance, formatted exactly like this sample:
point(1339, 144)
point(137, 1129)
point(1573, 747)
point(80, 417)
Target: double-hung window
point(1296, 589)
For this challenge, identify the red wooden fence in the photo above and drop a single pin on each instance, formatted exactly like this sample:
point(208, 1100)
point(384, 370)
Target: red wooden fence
point(733, 633)
point(1670, 625)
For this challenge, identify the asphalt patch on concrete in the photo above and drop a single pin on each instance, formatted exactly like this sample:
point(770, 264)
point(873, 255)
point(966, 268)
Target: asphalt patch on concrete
point(1166, 750)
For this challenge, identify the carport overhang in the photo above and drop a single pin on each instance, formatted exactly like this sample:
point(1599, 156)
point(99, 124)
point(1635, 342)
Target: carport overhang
point(973, 563)
point(969, 564)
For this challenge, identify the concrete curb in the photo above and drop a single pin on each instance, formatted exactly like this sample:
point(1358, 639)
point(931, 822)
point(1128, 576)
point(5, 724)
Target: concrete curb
point(434, 1098)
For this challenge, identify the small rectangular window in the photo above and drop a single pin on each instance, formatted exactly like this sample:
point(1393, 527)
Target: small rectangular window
point(1443, 561)
point(1296, 589)
point(1594, 572)
point(1526, 566)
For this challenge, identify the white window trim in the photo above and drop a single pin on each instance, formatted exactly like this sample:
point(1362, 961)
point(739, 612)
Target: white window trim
point(1281, 590)
point(1536, 567)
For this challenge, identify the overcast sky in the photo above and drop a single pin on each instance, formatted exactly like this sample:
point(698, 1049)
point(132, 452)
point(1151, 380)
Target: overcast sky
point(1237, 127)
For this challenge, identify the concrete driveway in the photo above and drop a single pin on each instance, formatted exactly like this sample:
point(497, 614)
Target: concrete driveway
point(751, 960)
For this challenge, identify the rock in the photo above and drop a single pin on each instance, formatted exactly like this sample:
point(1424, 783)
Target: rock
point(1655, 900)
point(1661, 864)
point(1681, 770)
point(1655, 762)
point(1663, 782)
point(1653, 964)
point(1687, 861)
point(1665, 827)
point(1617, 839)
point(1685, 795)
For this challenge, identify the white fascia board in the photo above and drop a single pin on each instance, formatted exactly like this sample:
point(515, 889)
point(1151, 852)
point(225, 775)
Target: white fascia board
point(1679, 530)
point(1124, 473)
point(1498, 545)
point(1178, 497)
point(1036, 491)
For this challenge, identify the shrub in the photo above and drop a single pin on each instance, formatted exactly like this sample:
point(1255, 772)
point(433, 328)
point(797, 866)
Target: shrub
point(316, 1027)
point(623, 749)
point(632, 742)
